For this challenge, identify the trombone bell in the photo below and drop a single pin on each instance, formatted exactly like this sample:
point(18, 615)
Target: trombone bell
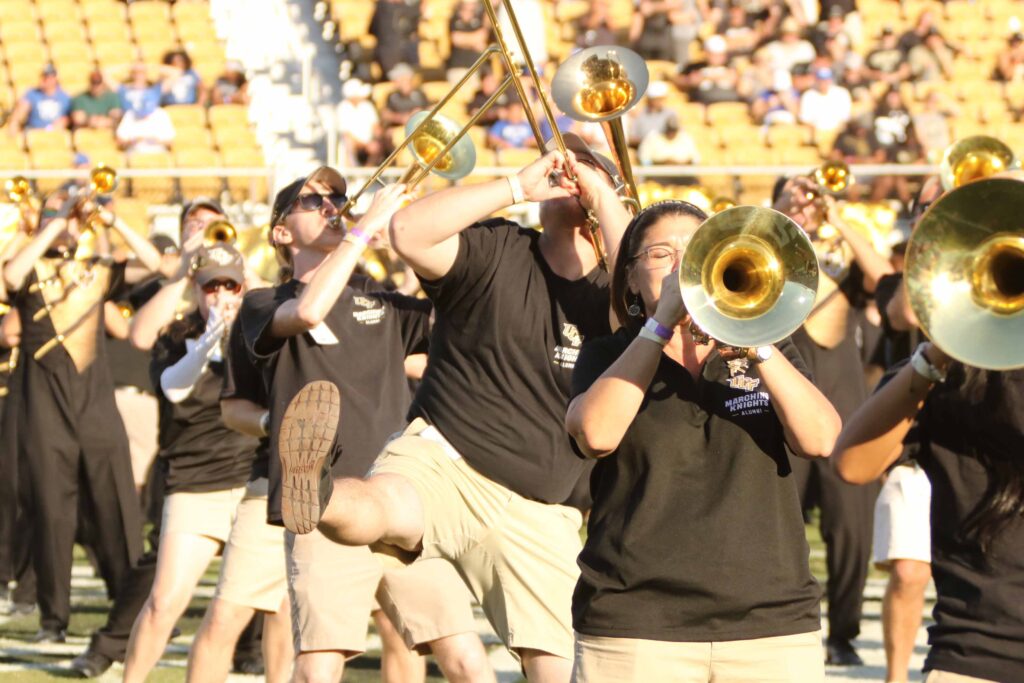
point(600, 83)
point(432, 140)
point(749, 276)
point(965, 273)
point(974, 158)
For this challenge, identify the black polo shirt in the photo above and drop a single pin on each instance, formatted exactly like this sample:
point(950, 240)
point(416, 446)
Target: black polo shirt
point(242, 379)
point(360, 347)
point(460, 57)
point(504, 345)
point(201, 452)
point(401, 103)
point(979, 613)
point(696, 532)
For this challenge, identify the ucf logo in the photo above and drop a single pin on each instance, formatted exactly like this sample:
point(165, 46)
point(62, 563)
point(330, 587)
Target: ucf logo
point(364, 302)
point(737, 375)
point(372, 312)
point(571, 333)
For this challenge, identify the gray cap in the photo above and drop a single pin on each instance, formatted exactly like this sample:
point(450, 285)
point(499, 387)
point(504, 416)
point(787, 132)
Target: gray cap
point(220, 261)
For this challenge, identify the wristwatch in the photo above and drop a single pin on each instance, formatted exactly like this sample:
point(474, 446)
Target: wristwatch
point(924, 367)
point(759, 354)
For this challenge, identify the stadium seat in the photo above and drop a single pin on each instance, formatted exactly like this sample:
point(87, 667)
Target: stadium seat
point(189, 137)
point(787, 135)
point(13, 159)
point(17, 10)
point(48, 159)
point(155, 189)
point(149, 10)
point(228, 138)
point(20, 53)
point(245, 189)
point(228, 115)
point(92, 140)
point(109, 29)
point(37, 140)
point(208, 186)
point(185, 115)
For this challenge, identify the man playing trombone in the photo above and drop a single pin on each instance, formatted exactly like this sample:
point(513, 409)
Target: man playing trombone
point(484, 476)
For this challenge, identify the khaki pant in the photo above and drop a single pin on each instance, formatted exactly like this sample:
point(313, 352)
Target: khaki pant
point(781, 659)
point(253, 572)
point(947, 677)
point(210, 513)
point(334, 588)
point(518, 556)
point(140, 413)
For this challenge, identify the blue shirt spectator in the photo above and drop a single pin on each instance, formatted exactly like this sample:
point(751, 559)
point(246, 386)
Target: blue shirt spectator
point(179, 82)
point(44, 107)
point(512, 130)
point(138, 95)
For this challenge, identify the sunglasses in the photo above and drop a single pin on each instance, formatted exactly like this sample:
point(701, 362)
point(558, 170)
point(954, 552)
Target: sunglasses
point(314, 202)
point(213, 285)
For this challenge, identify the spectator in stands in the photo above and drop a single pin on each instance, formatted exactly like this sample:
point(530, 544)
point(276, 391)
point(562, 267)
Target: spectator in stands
point(789, 49)
point(652, 115)
point(664, 29)
point(138, 93)
point(489, 82)
point(359, 126)
point(713, 80)
point(469, 34)
point(512, 130)
point(395, 25)
point(894, 131)
point(932, 60)
point(856, 80)
point(831, 27)
point(771, 108)
point(145, 129)
point(886, 62)
point(97, 107)
point(826, 106)
point(179, 82)
point(406, 99)
point(852, 25)
point(595, 27)
point(231, 87)
point(856, 144)
point(924, 26)
point(932, 126)
point(1010, 62)
point(669, 147)
point(43, 107)
point(739, 30)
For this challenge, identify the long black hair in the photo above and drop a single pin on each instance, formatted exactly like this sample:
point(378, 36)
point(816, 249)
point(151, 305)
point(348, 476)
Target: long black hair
point(991, 407)
point(631, 239)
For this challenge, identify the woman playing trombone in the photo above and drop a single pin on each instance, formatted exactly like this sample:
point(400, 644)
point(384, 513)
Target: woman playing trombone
point(695, 566)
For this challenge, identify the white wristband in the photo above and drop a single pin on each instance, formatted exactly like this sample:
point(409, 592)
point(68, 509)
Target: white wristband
point(518, 196)
point(924, 367)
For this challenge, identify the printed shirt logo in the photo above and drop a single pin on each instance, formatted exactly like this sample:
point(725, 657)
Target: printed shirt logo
point(750, 402)
point(369, 311)
point(566, 354)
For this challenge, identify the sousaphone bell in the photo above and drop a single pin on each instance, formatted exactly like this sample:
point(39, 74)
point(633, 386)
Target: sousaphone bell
point(965, 273)
point(748, 276)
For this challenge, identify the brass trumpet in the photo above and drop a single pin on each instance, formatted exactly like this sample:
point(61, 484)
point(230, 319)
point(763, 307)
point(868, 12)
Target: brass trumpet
point(974, 158)
point(220, 232)
point(965, 273)
point(720, 204)
point(102, 182)
point(832, 177)
point(18, 189)
point(748, 276)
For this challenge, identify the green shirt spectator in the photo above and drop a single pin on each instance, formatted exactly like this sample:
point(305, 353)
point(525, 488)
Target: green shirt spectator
point(97, 107)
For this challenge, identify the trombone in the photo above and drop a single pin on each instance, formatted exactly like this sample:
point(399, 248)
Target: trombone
point(19, 191)
point(974, 158)
point(965, 273)
point(748, 277)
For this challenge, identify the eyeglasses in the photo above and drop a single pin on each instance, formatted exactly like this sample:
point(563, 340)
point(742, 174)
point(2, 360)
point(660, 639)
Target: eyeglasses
point(657, 256)
point(213, 285)
point(314, 201)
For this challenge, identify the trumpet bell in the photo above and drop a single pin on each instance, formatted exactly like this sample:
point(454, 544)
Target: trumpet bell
point(720, 204)
point(965, 273)
point(974, 158)
point(220, 232)
point(18, 189)
point(102, 180)
point(833, 176)
point(748, 276)
point(600, 83)
point(431, 141)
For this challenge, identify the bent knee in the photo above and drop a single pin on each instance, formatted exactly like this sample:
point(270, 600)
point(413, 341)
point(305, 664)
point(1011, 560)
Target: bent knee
point(318, 667)
point(163, 607)
point(468, 663)
point(910, 574)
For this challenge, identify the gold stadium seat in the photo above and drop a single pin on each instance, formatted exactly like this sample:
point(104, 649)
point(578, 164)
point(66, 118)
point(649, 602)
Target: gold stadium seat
point(48, 9)
point(228, 115)
point(517, 158)
point(37, 140)
point(74, 76)
point(103, 8)
point(191, 12)
point(47, 160)
point(153, 31)
point(785, 135)
point(240, 188)
point(19, 53)
point(379, 93)
point(13, 159)
point(184, 115)
point(133, 212)
point(109, 29)
point(196, 32)
point(17, 9)
point(156, 188)
point(209, 68)
point(209, 186)
point(116, 57)
point(86, 139)
point(70, 51)
point(152, 52)
point(192, 137)
point(142, 10)
point(232, 137)
point(58, 29)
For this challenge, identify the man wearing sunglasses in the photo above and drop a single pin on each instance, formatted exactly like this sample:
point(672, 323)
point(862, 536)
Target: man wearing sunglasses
point(69, 432)
point(484, 476)
point(316, 330)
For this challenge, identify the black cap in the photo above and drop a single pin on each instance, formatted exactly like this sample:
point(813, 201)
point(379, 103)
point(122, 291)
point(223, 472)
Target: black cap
point(287, 196)
point(200, 203)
